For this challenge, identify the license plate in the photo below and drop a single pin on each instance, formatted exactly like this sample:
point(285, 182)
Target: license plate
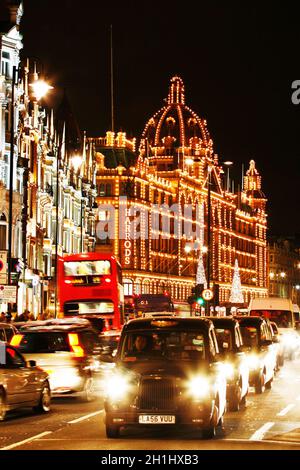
point(156, 419)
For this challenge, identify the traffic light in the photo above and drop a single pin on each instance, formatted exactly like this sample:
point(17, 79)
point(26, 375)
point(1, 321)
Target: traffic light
point(196, 297)
point(15, 270)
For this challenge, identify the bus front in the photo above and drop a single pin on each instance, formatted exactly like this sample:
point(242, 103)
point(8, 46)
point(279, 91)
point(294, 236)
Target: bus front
point(89, 288)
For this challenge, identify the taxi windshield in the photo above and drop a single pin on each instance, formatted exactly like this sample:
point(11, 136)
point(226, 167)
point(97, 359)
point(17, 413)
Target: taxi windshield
point(250, 336)
point(224, 339)
point(158, 345)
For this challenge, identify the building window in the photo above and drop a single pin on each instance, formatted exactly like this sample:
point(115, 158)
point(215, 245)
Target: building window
point(128, 286)
point(5, 64)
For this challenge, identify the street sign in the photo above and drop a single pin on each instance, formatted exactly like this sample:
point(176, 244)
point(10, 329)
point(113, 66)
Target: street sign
point(3, 262)
point(8, 294)
point(207, 294)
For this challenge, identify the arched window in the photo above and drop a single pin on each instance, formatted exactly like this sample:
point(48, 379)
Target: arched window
point(128, 286)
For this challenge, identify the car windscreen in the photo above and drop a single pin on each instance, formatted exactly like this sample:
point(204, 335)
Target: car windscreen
point(282, 318)
point(44, 342)
point(87, 268)
point(224, 339)
point(250, 336)
point(99, 307)
point(159, 303)
point(167, 345)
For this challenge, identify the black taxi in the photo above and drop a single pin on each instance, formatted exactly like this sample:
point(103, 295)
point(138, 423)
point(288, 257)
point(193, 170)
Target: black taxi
point(167, 372)
point(236, 366)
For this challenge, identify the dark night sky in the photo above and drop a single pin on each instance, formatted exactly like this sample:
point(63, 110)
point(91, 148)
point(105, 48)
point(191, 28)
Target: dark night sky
point(237, 62)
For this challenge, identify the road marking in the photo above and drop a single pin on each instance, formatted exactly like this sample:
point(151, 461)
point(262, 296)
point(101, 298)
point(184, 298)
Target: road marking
point(17, 444)
point(259, 434)
point(85, 417)
point(285, 410)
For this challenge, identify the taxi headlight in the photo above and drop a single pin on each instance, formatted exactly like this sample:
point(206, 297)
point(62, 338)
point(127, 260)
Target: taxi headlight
point(198, 387)
point(290, 340)
point(228, 370)
point(117, 387)
point(253, 362)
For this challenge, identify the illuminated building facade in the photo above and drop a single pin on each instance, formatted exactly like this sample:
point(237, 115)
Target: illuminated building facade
point(42, 145)
point(173, 168)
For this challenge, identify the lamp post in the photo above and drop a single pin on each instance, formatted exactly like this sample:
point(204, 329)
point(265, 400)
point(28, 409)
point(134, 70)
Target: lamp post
point(228, 164)
point(76, 163)
point(11, 177)
point(209, 170)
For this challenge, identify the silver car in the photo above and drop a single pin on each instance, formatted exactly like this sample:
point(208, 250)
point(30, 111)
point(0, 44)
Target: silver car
point(22, 384)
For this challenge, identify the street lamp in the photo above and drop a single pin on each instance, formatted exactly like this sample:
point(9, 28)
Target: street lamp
point(209, 170)
point(228, 164)
point(76, 163)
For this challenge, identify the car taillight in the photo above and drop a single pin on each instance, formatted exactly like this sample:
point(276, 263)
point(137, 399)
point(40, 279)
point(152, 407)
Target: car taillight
point(16, 340)
point(75, 346)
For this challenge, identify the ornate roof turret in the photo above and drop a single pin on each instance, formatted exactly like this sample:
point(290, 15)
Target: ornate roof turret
point(175, 129)
point(252, 187)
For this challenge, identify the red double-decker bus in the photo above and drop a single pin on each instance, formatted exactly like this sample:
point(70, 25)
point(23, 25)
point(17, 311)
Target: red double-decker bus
point(90, 286)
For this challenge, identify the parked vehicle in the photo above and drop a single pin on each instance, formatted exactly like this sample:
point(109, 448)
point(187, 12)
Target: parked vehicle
point(67, 349)
point(167, 372)
point(257, 338)
point(22, 384)
point(230, 345)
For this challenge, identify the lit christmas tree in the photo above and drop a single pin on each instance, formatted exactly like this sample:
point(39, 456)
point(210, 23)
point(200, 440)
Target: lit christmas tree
point(236, 296)
point(200, 276)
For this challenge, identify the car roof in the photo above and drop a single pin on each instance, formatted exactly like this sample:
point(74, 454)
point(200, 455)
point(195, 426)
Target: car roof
point(7, 325)
point(224, 321)
point(250, 320)
point(56, 325)
point(174, 322)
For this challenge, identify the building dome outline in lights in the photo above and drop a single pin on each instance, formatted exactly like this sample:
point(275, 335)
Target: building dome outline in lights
point(176, 126)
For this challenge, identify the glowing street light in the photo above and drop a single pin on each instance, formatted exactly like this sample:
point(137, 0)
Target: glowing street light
point(40, 88)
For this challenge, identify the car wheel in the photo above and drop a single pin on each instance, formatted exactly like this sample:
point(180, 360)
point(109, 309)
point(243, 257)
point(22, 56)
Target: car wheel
point(281, 360)
point(209, 433)
point(44, 401)
point(2, 406)
point(112, 431)
point(260, 384)
point(88, 392)
point(244, 400)
point(291, 356)
point(235, 399)
point(269, 384)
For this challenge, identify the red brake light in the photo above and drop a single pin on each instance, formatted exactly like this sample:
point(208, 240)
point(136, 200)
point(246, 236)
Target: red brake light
point(16, 340)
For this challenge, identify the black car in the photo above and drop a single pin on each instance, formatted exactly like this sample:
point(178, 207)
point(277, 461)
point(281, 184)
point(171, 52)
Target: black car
point(257, 337)
point(167, 373)
point(235, 360)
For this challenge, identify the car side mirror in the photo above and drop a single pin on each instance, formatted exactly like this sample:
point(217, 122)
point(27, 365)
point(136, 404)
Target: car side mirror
point(31, 363)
